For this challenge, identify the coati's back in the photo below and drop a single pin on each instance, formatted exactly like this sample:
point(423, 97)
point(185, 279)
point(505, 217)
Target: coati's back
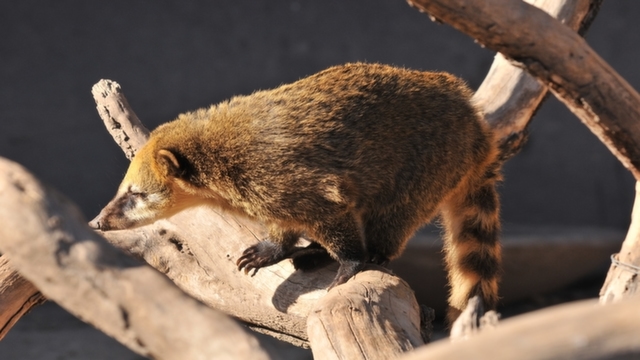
point(372, 134)
point(356, 157)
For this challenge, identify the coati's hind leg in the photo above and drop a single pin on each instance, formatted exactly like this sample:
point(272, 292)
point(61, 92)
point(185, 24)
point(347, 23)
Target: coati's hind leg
point(342, 238)
point(387, 232)
point(473, 255)
point(278, 246)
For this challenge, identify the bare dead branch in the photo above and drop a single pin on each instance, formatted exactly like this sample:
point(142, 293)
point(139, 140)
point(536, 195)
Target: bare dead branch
point(509, 96)
point(121, 122)
point(49, 242)
point(582, 330)
point(473, 320)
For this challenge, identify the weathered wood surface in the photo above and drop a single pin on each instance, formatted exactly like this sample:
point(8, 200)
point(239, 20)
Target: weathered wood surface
point(509, 96)
point(581, 330)
point(50, 244)
point(123, 124)
point(622, 279)
point(347, 325)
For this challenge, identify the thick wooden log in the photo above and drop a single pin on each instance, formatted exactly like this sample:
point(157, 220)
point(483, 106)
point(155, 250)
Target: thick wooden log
point(581, 330)
point(347, 325)
point(50, 244)
point(17, 295)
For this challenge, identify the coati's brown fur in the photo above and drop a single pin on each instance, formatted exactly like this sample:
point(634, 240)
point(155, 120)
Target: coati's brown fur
point(356, 158)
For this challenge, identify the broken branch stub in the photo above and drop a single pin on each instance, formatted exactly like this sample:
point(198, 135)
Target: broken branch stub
point(122, 123)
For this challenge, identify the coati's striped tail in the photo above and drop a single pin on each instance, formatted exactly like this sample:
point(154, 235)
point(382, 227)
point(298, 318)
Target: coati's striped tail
point(472, 249)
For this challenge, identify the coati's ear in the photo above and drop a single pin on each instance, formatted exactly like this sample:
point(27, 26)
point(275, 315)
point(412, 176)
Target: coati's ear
point(169, 163)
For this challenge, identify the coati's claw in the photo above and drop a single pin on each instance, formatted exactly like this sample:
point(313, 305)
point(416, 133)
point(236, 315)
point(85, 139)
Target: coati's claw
point(246, 261)
point(262, 254)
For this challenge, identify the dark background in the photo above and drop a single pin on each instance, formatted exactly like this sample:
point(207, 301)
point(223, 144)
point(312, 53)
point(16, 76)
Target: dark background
point(172, 56)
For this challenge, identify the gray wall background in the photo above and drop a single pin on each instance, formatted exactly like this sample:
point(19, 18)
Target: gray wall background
point(172, 56)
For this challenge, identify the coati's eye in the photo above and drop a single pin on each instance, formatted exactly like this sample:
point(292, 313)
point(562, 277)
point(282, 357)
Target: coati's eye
point(132, 199)
point(135, 193)
point(138, 195)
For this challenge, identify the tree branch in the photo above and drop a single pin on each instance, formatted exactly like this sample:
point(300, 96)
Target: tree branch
point(581, 330)
point(122, 123)
point(370, 334)
point(51, 245)
point(561, 59)
point(509, 96)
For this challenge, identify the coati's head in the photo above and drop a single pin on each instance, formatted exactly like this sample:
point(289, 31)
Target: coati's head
point(149, 191)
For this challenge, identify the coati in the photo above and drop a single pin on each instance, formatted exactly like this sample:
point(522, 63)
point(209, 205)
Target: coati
point(356, 158)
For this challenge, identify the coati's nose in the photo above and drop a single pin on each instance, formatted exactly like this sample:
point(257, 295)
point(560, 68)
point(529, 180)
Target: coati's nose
point(95, 223)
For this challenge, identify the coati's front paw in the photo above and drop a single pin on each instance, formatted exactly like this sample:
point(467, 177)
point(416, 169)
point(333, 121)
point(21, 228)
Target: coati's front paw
point(262, 254)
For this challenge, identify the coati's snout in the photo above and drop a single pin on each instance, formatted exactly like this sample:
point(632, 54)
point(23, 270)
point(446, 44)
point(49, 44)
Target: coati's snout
point(127, 210)
point(144, 195)
point(106, 221)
